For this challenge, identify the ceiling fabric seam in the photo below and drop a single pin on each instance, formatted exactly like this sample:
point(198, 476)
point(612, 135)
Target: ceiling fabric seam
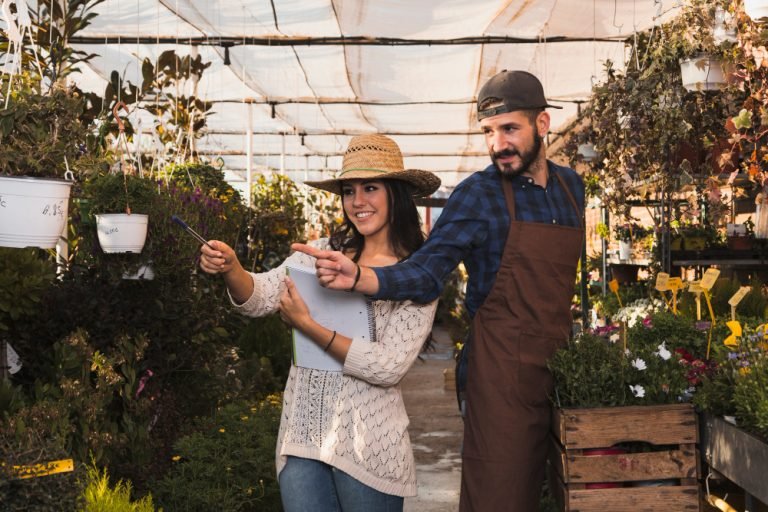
point(363, 114)
point(274, 17)
point(165, 3)
point(309, 85)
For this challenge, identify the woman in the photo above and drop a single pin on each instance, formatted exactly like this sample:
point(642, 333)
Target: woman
point(343, 443)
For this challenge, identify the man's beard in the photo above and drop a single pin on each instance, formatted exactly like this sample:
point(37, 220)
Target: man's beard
point(526, 157)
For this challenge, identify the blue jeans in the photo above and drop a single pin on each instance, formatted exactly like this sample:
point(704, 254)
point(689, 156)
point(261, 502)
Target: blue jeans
point(308, 485)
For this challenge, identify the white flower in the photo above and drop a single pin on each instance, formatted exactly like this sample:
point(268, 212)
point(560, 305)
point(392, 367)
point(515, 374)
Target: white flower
point(663, 352)
point(639, 364)
point(614, 337)
point(637, 390)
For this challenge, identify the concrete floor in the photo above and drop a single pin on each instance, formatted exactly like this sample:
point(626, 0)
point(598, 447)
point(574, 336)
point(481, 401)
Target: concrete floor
point(436, 429)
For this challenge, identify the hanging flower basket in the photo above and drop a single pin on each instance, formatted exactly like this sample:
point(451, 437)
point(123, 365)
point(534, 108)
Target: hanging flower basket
point(702, 72)
point(33, 211)
point(122, 232)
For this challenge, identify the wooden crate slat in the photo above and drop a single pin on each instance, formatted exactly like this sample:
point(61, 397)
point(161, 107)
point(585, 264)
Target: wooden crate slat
point(629, 467)
point(634, 499)
point(607, 426)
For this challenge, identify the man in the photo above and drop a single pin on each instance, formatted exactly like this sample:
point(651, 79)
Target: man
point(517, 225)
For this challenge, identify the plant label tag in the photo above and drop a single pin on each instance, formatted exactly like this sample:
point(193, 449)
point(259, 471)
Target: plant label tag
point(662, 281)
point(14, 363)
point(709, 279)
point(743, 291)
point(695, 287)
point(613, 285)
point(675, 283)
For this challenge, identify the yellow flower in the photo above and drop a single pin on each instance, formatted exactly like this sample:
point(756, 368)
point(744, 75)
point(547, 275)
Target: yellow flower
point(222, 430)
point(745, 370)
point(176, 458)
point(244, 418)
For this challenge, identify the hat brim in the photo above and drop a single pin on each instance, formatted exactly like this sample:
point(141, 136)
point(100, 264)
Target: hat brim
point(423, 183)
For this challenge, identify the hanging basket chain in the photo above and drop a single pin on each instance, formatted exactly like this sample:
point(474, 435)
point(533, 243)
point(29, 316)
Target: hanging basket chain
point(122, 148)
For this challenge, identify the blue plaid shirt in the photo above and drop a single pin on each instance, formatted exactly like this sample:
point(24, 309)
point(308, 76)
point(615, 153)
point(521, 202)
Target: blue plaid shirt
point(473, 228)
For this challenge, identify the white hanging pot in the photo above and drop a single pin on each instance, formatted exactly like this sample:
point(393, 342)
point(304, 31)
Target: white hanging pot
point(587, 152)
point(121, 232)
point(625, 249)
point(702, 73)
point(33, 211)
point(756, 9)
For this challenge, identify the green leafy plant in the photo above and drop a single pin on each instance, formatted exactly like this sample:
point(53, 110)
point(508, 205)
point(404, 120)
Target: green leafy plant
point(227, 464)
point(101, 496)
point(589, 373)
point(40, 134)
point(739, 387)
point(630, 231)
point(661, 361)
point(120, 193)
point(37, 433)
point(280, 217)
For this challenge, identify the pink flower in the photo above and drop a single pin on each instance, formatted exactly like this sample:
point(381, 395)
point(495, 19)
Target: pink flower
point(143, 381)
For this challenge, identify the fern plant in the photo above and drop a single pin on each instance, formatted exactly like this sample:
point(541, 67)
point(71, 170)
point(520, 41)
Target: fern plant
point(100, 496)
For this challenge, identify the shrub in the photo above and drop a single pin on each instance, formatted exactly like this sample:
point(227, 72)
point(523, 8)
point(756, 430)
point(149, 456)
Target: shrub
point(99, 496)
point(227, 465)
point(37, 434)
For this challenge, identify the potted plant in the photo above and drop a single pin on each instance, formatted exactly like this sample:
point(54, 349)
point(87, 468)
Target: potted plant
point(39, 138)
point(627, 389)
point(120, 203)
point(627, 234)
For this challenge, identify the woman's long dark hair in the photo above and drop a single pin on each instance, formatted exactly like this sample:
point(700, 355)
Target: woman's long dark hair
point(405, 233)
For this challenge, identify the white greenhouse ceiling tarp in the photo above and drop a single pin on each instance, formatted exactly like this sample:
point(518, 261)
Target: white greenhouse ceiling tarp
point(306, 75)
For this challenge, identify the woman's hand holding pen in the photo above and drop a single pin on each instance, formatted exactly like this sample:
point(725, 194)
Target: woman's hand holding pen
point(217, 257)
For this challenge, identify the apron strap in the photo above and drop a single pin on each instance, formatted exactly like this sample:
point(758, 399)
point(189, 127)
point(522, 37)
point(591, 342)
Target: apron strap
point(509, 198)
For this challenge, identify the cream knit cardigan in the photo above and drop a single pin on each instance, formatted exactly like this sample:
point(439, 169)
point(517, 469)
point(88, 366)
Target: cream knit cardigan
point(353, 420)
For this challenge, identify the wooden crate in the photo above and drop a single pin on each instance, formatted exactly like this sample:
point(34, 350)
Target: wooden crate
point(737, 455)
point(673, 431)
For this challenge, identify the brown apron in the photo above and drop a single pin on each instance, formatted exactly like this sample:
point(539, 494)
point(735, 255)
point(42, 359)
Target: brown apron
point(524, 319)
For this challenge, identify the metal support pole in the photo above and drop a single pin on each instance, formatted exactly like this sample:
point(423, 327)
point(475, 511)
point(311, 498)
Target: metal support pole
point(604, 243)
point(584, 279)
point(249, 160)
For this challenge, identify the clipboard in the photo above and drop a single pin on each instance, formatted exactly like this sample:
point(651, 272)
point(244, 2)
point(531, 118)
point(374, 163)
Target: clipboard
point(344, 312)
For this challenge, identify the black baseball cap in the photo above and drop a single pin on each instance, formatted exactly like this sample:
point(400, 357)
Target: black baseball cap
point(515, 90)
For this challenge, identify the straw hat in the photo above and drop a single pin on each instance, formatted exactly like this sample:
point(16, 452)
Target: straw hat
point(378, 157)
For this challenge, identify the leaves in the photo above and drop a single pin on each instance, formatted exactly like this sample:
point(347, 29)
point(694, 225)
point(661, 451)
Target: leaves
point(743, 120)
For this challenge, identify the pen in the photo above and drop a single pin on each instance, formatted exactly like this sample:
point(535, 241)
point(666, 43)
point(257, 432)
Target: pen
point(190, 230)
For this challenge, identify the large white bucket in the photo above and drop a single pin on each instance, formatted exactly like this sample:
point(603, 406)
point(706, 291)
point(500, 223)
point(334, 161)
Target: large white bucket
point(33, 211)
point(120, 232)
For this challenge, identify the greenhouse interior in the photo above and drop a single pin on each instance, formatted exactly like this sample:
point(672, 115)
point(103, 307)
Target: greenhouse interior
point(246, 247)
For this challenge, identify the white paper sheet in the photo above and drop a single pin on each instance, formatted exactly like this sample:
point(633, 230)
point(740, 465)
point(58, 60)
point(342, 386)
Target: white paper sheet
point(343, 312)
